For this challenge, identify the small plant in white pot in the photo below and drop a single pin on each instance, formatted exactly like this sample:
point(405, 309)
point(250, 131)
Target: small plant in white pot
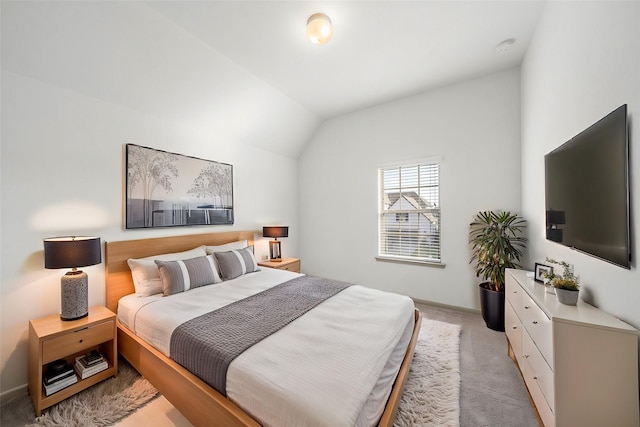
point(566, 284)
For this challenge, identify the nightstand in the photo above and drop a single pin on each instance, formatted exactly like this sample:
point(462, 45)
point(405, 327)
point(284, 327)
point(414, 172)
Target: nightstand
point(51, 338)
point(291, 264)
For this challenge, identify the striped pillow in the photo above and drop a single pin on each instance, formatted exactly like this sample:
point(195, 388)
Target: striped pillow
point(236, 263)
point(180, 276)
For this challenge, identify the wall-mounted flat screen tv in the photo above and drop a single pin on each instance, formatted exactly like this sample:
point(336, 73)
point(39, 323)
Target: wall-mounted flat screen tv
point(587, 191)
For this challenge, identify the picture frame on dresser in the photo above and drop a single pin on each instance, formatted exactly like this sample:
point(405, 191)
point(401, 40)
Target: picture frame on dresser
point(540, 270)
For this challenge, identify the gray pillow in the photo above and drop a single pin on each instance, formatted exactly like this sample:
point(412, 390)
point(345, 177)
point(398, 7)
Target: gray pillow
point(236, 263)
point(180, 276)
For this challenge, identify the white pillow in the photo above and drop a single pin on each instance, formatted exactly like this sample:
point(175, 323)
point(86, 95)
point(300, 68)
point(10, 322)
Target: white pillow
point(146, 277)
point(233, 246)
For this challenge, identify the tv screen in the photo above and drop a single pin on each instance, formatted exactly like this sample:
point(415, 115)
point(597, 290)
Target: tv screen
point(587, 191)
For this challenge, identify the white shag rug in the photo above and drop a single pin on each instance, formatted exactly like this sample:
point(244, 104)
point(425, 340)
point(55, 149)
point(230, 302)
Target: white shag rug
point(432, 392)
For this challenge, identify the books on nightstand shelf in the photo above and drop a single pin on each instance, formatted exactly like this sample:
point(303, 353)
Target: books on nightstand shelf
point(59, 375)
point(90, 364)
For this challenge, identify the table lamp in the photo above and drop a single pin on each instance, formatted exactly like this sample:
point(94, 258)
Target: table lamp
point(73, 252)
point(274, 245)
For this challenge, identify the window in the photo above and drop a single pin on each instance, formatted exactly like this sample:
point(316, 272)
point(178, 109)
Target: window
point(402, 216)
point(409, 212)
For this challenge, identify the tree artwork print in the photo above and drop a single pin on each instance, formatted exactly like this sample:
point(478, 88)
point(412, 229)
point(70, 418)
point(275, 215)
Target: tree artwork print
point(166, 189)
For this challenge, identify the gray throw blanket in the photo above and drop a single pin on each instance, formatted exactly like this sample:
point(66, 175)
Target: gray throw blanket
point(207, 344)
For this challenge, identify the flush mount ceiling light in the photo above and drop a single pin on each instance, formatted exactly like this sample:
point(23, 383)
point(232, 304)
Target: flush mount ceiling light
point(319, 29)
point(505, 46)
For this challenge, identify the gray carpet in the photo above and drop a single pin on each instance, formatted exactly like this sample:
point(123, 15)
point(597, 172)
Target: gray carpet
point(492, 391)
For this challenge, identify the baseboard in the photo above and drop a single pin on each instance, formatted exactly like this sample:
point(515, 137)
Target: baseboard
point(450, 307)
point(13, 393)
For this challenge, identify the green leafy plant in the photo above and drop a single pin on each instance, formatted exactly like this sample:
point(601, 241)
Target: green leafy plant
point(496, 241)
point(567, 280)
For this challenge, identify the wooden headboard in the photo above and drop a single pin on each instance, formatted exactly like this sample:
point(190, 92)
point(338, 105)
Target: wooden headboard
point(118, 275)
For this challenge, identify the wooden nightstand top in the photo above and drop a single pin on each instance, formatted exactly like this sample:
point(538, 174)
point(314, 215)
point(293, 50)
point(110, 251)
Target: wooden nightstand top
point(52, 325)
point(280, 265)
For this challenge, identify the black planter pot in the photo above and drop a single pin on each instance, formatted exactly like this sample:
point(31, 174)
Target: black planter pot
point(492, 305)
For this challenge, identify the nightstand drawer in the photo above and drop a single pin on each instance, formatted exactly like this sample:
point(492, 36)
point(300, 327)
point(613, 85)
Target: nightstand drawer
point(294, 266)
point(76, 341)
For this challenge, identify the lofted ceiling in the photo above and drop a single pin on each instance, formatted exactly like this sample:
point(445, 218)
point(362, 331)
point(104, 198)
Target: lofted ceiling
point(243, 72)
point(381, 50)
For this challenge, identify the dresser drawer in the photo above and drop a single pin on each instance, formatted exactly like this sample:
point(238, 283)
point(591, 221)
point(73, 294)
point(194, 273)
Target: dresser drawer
point(513, 329)
point(513, 292)
point(539, 327)
point(540, 371)
point(547, 416)
point(76, 341)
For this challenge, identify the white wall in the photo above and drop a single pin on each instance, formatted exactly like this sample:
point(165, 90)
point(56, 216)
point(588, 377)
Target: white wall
point(584, 61)
point(474, 126)
point(66, 116)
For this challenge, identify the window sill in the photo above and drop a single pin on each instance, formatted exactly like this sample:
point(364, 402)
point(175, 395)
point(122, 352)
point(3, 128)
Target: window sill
point(411, 261)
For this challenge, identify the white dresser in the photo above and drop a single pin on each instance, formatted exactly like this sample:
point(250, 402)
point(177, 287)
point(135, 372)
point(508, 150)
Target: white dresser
point(579, 363)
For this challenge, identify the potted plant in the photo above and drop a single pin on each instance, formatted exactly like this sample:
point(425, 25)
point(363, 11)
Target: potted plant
point(566, 284)
point(496, 242)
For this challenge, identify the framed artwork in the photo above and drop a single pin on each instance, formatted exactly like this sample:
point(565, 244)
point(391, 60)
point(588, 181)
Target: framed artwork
point(168, 190)
point(540, 270)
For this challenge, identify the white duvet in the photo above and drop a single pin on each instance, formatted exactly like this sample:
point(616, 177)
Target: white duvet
point(320, 370)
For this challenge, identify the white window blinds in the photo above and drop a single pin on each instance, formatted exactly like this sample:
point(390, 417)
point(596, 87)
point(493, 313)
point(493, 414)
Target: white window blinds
point(409, 211)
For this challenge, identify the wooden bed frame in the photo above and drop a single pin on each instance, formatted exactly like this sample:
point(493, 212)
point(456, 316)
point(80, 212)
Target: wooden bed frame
point(197, 401)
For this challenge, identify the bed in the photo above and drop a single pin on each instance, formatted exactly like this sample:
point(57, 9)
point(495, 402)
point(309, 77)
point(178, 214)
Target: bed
point(193, 397)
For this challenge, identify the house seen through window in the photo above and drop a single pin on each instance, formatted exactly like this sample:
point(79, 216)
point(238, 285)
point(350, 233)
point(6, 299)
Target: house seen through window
point(409, 211)
point(402, 217)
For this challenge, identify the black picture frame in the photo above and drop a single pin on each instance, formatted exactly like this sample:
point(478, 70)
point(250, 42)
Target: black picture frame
point(539, 270)
point(165, 189)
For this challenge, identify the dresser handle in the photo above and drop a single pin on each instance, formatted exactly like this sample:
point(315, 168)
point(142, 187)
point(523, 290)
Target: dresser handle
point(514, 327)
point(535, 378)
point(515, 292)
point(526, 356)
point(526, 307)
point(535, 322)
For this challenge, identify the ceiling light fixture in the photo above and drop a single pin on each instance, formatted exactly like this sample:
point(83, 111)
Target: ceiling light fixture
point(319, 29)
point(505, 46)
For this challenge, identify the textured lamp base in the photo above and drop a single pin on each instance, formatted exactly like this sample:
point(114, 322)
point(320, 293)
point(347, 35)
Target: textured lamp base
point(274, 251)
point(74, 296)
